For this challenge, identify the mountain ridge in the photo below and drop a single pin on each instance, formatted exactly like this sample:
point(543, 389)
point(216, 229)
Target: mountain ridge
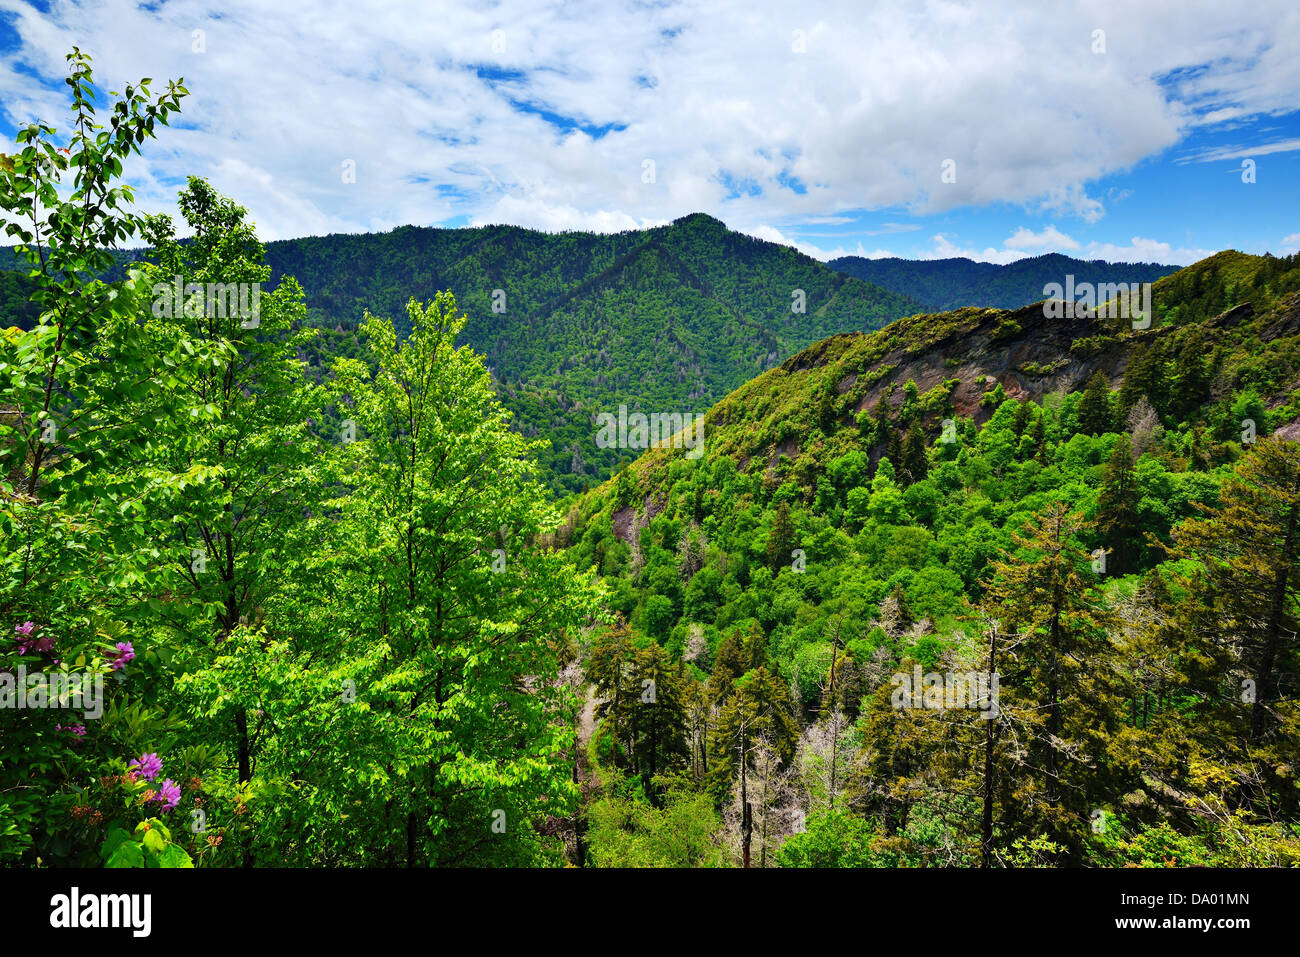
point(958, 281)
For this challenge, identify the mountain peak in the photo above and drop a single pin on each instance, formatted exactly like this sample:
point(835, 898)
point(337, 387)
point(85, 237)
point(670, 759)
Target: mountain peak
point(699, 219)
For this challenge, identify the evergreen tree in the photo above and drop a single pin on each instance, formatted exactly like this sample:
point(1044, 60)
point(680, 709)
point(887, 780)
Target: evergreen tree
point(1250, 547)
point(915, 465)
point(1191, 377)
point(1117, 519)
point(780, 541)
point(1094, 413)
point(1056, 656)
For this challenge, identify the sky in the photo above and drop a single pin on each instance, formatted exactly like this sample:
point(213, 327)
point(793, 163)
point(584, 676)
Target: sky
point(1134, 131)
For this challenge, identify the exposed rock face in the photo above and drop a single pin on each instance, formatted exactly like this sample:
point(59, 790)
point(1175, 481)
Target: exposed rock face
point(1030, 353)
point(1025, 351)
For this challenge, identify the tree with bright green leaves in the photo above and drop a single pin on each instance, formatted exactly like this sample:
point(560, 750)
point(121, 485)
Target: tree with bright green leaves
point(254, 462)
point(454, 617)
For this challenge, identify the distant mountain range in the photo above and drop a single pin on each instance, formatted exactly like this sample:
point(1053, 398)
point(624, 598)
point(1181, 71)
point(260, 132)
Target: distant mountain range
point(953, 283)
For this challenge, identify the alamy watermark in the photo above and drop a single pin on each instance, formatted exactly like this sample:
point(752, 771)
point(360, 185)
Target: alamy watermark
point(224, 300)
point(639, 431)
point(60, 689)
point(935, 691)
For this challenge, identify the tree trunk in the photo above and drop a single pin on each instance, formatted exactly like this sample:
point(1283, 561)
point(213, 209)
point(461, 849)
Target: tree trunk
point(986, 844)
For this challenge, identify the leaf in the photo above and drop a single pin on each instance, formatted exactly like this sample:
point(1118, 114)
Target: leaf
point(128, 854)
point(116, 835)
point(154, 841)
point(174, 856)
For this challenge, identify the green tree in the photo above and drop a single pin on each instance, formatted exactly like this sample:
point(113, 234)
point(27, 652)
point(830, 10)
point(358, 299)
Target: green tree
point(459, 618)
point(1094, 413)
point(1117, 519)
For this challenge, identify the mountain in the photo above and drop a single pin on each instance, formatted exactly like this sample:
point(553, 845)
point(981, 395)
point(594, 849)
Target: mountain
point(904, 502)
point(665, 320)
point(1236, 313)
point(953, 283)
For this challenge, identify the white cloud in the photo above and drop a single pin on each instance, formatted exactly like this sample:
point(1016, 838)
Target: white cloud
point(1245, 152)
point(712, 92)
point(1146, 251)
point(1290, 245)
point(1050, 239)
point(774, 235)
point(1020, 244)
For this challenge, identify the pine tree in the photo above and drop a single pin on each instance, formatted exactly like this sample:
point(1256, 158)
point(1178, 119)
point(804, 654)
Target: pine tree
point(780, 541)
point(659, 743)
point(915, 464)
point(1117, 519)
point(1038, 438)
point(1056, 656)
point(1250, 547)
point(760, 707)
point(1191, 377)
point(1145, 376)
point(1094, 414)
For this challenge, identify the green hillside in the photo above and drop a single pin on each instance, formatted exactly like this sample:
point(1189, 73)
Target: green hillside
point(886, 501)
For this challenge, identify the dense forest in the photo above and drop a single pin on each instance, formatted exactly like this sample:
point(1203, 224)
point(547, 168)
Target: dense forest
point(954, 283)
point(981, 587)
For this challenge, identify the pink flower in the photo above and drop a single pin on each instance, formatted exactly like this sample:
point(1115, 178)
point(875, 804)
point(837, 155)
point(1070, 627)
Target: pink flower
point(23, 635)
point(147, 765)
point(124, 653)
point(169, 793)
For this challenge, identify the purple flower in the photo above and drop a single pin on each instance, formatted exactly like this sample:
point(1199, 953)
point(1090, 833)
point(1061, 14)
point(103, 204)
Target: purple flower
point(148, 766)
point(169, 794)
point(23, 635)
point(117, 661)
point(77, 729)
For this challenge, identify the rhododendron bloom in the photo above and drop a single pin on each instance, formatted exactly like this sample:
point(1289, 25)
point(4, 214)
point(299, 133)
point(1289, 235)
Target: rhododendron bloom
point(169, 794)
point(117, 659)
point(148, 766)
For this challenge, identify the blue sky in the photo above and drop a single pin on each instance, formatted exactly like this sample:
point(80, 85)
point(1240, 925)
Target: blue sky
point(1097, 129)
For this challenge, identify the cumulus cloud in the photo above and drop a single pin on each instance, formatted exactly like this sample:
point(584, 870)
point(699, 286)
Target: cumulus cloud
point(611, 116)
point(1141, 250)
point(1050, 239)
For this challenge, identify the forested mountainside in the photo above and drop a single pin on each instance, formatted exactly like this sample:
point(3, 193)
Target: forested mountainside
point(957, 282)
point(1103, 515)
point(575, 324)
